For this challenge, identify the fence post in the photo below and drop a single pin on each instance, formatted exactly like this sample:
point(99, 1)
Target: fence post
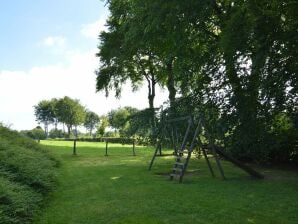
point(106, 147)
point(74, 147)
point(133, 147)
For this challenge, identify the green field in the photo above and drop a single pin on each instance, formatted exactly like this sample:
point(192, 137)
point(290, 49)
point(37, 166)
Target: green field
point(93, 188)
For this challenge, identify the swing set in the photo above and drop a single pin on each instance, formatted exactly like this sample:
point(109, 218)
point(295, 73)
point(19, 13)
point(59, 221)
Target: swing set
point(186, 131)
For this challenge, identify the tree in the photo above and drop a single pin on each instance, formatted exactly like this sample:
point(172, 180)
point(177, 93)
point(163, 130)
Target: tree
point(119, 119)
point(237, 55)
point(54, 101)
point(38, 133)
point(44, 113)
point(124, 56)
point(104, 123)
point(234, 60)
point(70, 112)
point(91, 121)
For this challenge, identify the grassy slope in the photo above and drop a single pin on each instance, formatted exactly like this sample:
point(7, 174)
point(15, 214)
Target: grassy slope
point(119, 189)
point(26, 175)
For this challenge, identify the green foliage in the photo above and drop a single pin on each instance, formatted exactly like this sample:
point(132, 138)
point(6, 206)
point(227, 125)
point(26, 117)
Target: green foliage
point(91, 121)
point(236, 59)
point(111, 134)
point(119, 119)
point(56, 133)
point(18, 203)
point(27, 173)
point(70, 112)
point(27, 133)
point(123, 54)
point(104, 123)
point(140, 125)
point(45, 113)
point(38, 133)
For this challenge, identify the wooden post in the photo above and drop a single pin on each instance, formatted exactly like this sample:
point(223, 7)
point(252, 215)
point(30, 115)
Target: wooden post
point(74, 147)
point(155, 153)
point(133, 148)
point(214, 152)
point(208, 163)
point(106, 147)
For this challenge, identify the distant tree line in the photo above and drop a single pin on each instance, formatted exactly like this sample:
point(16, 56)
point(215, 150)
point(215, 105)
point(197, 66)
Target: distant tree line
point(71, 114)
point(233, 62)
point(66, 111)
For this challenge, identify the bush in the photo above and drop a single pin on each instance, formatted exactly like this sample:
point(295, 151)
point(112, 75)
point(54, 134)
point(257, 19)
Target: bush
point(111, 134)
point(56, 133)
point(38, 133)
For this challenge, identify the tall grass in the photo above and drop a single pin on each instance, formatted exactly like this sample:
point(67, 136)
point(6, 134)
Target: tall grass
point(27, 174)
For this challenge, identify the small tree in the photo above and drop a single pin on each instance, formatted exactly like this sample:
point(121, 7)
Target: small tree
point(38, 133)
point(104, 123)
point(91, 121)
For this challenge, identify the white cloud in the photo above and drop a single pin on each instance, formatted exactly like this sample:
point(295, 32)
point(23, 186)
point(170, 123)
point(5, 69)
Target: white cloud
point(21, 90)
point(52, 41)
point(92, 30)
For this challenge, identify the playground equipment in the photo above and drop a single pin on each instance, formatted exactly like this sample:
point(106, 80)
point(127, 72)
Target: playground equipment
point(193, 128)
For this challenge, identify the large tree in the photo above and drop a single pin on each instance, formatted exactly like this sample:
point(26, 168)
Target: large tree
point(238, 58)
point(124, 56)
point(237, 55)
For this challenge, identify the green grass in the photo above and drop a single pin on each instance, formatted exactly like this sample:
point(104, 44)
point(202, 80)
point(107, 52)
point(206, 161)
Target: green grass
point(27, 174)
point(119, 189)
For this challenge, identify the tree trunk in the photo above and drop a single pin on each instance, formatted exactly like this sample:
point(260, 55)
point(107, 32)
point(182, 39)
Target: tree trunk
point(171, 83)
point(68, 130)
point(247, 103)
point(46, 131)
point(243, 137)
point(76, 131)
point(56, 124)
point(151, 95)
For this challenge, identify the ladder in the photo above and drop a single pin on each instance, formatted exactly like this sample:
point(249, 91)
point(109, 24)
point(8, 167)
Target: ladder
point(182, 160)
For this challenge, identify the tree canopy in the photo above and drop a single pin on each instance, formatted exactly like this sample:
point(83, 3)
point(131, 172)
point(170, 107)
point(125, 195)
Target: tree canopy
point(91, 121)
point(45, 113)
point(70, 112)
point(234, 60)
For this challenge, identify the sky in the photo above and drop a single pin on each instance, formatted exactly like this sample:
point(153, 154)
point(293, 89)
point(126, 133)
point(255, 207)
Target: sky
point(47, 50)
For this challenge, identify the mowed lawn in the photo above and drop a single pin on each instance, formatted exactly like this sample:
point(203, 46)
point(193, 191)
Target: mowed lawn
point(93, 188)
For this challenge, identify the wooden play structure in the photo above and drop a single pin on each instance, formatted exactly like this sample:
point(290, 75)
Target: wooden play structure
point(189, 139)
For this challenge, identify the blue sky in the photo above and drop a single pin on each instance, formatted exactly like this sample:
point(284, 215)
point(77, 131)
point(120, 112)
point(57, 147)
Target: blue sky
point(25, 23)
point(47, 49)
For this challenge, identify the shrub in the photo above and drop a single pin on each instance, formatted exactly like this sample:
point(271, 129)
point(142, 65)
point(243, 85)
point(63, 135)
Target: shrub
point(56, 133)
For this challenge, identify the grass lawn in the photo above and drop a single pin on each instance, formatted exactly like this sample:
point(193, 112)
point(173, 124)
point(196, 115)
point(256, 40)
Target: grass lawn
point(118, 188)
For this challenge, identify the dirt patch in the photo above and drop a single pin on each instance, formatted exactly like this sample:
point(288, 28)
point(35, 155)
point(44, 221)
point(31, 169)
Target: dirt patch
point(188, 173)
